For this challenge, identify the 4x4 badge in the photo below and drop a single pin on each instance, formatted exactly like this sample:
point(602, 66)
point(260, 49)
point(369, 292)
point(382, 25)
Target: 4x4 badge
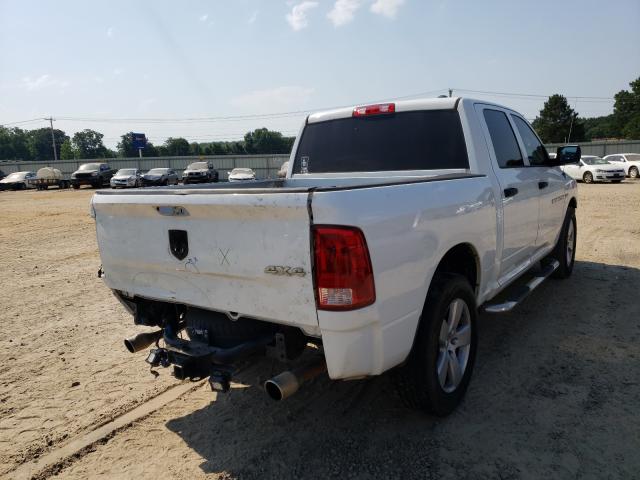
point(285, 270)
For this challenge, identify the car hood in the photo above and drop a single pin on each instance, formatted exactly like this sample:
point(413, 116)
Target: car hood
point(123, 177)
point(84, 171)
point(196, 171)
point(242, 176)
point(152, 177)
point(607, 168)
point(12, 180)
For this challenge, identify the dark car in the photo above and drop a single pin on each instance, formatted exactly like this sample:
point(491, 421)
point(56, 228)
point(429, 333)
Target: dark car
point(200, 172)
point(2, 175)
point(94, 174)
point(160, 176)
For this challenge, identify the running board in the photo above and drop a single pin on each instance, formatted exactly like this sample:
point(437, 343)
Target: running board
point(518, 293)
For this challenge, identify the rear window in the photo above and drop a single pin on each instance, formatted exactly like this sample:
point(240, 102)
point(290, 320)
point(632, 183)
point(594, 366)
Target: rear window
point(419, 140)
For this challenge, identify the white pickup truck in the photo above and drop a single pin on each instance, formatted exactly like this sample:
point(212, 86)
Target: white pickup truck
point(395, 224)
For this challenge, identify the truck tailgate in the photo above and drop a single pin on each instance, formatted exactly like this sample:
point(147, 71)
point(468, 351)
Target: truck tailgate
point(232, 238)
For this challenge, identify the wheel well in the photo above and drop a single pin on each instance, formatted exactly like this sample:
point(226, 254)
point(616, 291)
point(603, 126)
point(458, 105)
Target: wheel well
point(463, 260)
point(573, 203)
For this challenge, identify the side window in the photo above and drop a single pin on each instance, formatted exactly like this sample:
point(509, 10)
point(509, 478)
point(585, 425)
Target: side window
point(504, 140)
point(536, 152)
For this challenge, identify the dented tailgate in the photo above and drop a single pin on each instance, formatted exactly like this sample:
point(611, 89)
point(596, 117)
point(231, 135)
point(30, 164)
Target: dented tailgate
point(244, 253)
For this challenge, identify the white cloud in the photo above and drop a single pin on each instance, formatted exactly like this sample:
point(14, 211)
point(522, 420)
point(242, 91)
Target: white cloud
point(343, 11)
point(118, 71)
point(297, 18)
point(110, 32)
point(43, 81)
point(274, 100)
point(388, 8)
point(203, 18)
point(253, 18)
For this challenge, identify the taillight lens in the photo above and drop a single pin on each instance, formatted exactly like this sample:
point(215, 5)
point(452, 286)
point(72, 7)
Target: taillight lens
point(343, 273)
point(376, 109)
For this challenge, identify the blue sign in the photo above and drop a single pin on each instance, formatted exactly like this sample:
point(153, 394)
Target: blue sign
point(139, 140)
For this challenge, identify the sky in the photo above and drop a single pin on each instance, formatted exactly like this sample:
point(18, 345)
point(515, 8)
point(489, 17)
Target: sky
point(212, 70)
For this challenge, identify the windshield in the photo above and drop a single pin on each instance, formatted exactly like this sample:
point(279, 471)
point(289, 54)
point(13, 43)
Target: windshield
point(157, 171)
point(127, 171)
point(90, 166)
point(16, 176)
point(633, 158)
point(418, 140)
point(594, 161)
point(198, 166)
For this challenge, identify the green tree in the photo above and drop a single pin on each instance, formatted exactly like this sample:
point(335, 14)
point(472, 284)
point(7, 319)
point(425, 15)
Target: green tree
point(40, 143)
point(176, 146)
point(14, 144)
point(88, 144)
point(263, 140)
point(626, 111)
point(558, 122)
point(67, 152)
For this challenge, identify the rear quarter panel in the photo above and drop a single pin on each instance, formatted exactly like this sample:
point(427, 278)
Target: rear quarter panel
point(408, 229)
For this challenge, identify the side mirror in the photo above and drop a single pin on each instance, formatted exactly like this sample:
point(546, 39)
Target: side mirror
point(567, 154)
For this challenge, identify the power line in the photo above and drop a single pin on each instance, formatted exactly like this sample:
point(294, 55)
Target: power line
point(533, 95)
point(23, 121)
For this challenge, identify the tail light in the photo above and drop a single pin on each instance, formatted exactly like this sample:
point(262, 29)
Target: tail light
point(376, 109)
point(343, 273)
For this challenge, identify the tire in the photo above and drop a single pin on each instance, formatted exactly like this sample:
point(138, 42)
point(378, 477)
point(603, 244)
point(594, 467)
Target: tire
point(418, 382)
point(616, 181)
point(75, 187)
point(166, 183)
point(587, 177)
point(633, 172)
point(565, 250)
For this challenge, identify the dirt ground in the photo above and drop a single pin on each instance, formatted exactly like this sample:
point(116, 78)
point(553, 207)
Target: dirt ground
point(555, 393)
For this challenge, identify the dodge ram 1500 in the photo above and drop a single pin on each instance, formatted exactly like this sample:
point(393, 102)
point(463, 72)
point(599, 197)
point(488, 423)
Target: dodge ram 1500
point(395, 224)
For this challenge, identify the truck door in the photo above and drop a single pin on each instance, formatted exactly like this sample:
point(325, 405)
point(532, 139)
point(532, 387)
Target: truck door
point(552, 183)
point(519, 191)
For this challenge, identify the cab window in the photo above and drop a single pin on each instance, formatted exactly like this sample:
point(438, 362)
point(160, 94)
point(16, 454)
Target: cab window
point(536, 153)
point(503, 139)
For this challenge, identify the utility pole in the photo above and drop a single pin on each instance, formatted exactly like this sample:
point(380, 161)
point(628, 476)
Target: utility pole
point(53, 139)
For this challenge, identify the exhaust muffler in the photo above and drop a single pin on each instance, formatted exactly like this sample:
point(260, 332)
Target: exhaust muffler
point(289, 382)
point(142, 340)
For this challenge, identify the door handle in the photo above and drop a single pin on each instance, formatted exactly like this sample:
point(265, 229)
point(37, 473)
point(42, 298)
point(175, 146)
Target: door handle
point(542, 185)
point(510, 192)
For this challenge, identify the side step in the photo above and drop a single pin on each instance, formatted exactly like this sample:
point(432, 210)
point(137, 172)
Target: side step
point(516, 294)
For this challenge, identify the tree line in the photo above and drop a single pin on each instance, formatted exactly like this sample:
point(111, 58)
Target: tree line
point(19, 144)
point(556, 123)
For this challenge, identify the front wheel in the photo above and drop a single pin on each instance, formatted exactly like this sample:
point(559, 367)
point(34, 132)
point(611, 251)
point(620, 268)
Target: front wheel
point(436, 375)
point(587, 177)
point(633, 172)
point(565, 250)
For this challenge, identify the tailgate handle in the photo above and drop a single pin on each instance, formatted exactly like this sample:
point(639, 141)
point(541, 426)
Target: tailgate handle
point(179, 243)
point(172, 211)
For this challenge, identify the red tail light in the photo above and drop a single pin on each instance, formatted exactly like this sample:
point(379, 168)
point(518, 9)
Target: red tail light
point(343, 273)
point(377, 109)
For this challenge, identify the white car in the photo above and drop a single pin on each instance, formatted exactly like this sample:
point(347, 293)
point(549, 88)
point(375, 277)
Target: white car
point(630, 162)
point(18, 181)
point(241, 175)
point(594, 169)
point(126, 177)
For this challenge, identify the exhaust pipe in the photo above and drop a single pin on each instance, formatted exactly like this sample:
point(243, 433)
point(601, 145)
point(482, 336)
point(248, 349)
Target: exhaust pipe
point(142, 340)
point(289, 382)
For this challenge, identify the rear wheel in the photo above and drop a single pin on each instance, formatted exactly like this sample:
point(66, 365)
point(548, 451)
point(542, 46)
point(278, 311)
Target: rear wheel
point(75, 187)
point(633, 172)
point(437, 373)
point(587, 177)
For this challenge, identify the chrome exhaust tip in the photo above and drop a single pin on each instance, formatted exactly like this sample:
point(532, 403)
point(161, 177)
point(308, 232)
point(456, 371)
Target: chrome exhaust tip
point(142, 340)
point(282, 386)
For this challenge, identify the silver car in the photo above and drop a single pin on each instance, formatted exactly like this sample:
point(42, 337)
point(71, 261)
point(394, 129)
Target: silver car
point(126, 177)
point(160, 176)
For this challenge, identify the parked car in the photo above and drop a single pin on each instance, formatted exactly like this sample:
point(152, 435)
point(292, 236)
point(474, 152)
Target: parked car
point(591, 169)
point(18, 181)
point(629, 161)
point(160, 176)
point(95, 174)
point(395, 224)
point(126, 177)
point(241, 175)
point(200, 172)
